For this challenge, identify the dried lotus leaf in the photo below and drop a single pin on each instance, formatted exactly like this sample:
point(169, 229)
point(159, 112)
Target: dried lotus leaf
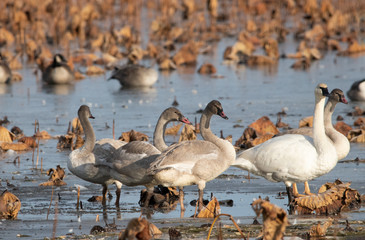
point(306, 122)
point(211, 210)
point(94, 70)
point(187, 133)
point(174, 129)
point(14, 146)
point(5, 135)
point(9, 205)
point(30, 141)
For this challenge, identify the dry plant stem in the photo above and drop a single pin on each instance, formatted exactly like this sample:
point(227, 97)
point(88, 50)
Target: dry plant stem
point(231, 218)
point(196, 208)
point(78, 198)
point(113, 129)
point(50, 203)
point(55, 221)
point(36, 165)
point(41, 164)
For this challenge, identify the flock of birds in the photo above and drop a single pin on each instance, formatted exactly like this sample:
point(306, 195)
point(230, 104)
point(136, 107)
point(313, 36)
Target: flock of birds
point(298, 156)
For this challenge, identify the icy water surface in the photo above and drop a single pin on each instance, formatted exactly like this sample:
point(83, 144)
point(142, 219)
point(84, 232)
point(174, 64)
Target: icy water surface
point(245, 93)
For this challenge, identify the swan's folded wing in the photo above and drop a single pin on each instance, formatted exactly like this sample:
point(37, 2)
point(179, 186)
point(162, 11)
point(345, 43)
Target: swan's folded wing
point(184, 156)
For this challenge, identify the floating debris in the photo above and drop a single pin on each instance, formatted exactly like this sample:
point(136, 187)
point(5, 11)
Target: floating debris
point(55, 177)
point(139, 228)
point(133, 136)
point(9, 205)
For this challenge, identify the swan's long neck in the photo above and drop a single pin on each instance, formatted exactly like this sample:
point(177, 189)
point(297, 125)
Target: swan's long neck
point(319, 135)
point(339, 140)
point(89, 134)
point(158, 135)
point(205, 127)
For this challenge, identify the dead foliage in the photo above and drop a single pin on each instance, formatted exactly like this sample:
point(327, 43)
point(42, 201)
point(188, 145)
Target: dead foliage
point(306, 122)
point(187, 54)
point(163, 198)
point(275, 219)
point(332, 198)
point(70, 141)
point(320, 230)
point(43, 135)
point(354, 47)
point(9, 205)
point(257, 132)
point(5, 135)
point(207, 68)
point(211, 210)
point(356, 135)
point(139, 228)
point(133, 136)
point(94, 70)
point(342, 127)
point(187, 133)
point(357, 112)
point(30, 141)
point(19, 146)
point(55, 177)
point(174, 130)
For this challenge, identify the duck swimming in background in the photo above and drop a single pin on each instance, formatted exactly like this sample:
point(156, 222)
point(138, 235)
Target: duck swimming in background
point(134, 75)
point(5, 71)
point(58, 72)
point(357, 91)
point(293, 158)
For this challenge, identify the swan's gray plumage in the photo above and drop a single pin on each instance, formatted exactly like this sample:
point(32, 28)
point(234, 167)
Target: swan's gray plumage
point(134, 75)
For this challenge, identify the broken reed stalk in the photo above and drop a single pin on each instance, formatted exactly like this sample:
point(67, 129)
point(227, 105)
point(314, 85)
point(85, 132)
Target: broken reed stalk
point(28, 94)
point(41, 164)
point(78, 198)
point(234, 222)
point(50, 203)
point(55, 221)
point(113, 129)
point(36, 165)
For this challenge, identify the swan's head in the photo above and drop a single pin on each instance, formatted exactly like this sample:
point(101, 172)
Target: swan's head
point(173, 114)
point(321, 91)
point(85, 111)
point(215, 107)
point(337, 96)
point(59, 58)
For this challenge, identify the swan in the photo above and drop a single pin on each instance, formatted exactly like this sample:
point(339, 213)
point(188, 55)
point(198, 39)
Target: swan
point(58, 72)
point(134, 75)
point(85, 162)
point(357, 91)
point(293, 158)
point(131, 161)
point(339, 140)
point(5, 71)
point(195, 162)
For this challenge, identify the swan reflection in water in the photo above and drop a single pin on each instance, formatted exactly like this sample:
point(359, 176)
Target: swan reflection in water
point(61, 89)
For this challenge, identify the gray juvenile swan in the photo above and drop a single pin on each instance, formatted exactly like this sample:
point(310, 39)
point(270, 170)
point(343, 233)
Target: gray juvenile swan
point(339, 140)
point(5, 71)
point(293, 158)
point(134, 75)
point(86, 162)
point(195, 162)
point(58, 72)
point(131, 161)
point(357, 91)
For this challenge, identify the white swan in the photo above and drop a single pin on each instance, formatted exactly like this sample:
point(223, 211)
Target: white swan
point(293, 158)
point(131, 161)
point(357, 91)
point(134, 75)
point(195, 162)
point(339, 140)
point(86, 162)
point(58, 72)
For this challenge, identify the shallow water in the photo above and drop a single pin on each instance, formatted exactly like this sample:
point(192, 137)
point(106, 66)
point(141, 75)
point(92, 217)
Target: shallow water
point(245, 93)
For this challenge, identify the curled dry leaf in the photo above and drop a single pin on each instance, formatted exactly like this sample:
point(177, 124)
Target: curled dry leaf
point(353, 47)
point(16, 77)
point(306, 122)
point(187, 133)
point(331, 199)
point(343, 128)
point(320, 230)
point(163, 198)
point(174, 130)
point(264, 125)
point(14, 146)
point(9, 205)
point(94, 70)
point(187, 54)
point(133, 136)
point(275, 219)
point(43, 135)
point(5, 135)
point(211, 210)
point(166, 64)
point(207, 68)
point(55, 177)
point(30, 141)
point(356, 135)
point(359, 121)
point(139, 228)
point(78, 75)
point(76, 126)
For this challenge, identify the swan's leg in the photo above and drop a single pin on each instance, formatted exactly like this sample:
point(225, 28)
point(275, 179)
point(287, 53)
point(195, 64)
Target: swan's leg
point(289, 191)
point(200, 201)
point(105, 191)
point(295, 191)
point(307, 190)
point(149, 195)
point(117, 192)
point(181, 198)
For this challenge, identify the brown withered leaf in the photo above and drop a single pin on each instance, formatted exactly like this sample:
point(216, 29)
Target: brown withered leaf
point(174, 130)
point(211, 210)
point(320, 230)
point(78, 75)
point(356, 135)
point(359, 121)
point(139, 228)
point(94, 70)
point(352, 48)
point(263, 126)
point(30, 141)
point(275, 219)
point(133, 136)
point(55, 177)
point(9, 205)
point(5, 135)
point(306, 122)
point(331, 199)
point(43, 135)
point(16, 77)
point(187, 133)
point(166, 64)
point(187, 54)
point(342, 127)
point(14, 146)
point(76, 126)
point(207, 68)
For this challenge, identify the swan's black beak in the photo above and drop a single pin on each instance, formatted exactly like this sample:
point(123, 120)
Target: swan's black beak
point(325, 91)
point(221, 113)
point(91, 116)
